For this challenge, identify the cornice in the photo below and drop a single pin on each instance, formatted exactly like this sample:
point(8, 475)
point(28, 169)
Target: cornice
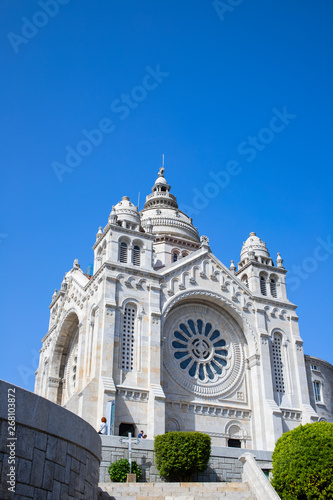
point(101, 238)
point(255, 263)
point(119, 229)
point(177, 241)
point(318, 360)
point(57, 297)
point(132, 271)
point(189, 259)
point(232, 276)
point(46, 336)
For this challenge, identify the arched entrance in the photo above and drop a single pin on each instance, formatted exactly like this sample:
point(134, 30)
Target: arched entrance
point(65, 360)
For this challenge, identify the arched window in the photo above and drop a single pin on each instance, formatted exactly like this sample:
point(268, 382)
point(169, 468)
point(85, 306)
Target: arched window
point(123, 252)
point(235, 435)
point(278, 380)
point(175, 257)
point(273, 287)
point(127, 354)
point(263, 288)
point(245, 280)
point(136, 255)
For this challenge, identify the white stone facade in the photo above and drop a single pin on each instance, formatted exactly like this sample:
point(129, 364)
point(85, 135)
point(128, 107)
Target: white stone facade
point(175, 338)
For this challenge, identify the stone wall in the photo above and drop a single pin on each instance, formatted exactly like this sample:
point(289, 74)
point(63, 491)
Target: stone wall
point(46, 452)
point(322, 372)
point(222, 466)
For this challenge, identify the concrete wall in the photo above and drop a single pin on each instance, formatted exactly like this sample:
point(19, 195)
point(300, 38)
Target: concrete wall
point(222, 466)
point(48, 452)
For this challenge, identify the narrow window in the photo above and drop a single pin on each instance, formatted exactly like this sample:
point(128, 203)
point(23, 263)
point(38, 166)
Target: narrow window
point(314, 367)
point(245, 280)
point(123, 252)
point(273, 288)
point(127, 354)
point(317, 391)
point(136, 255)
point(277, 365)
point(175, 257)
point(263, 289)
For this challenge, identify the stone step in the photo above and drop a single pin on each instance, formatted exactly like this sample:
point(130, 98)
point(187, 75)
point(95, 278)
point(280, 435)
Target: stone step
point(171, 491)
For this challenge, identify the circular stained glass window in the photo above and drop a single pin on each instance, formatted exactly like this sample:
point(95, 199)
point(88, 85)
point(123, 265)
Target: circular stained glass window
point(200, 350)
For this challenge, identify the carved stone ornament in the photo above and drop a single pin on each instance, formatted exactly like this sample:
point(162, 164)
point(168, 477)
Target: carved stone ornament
point(204, 240)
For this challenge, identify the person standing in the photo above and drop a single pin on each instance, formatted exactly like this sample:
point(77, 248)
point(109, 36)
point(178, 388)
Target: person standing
point(103, 427)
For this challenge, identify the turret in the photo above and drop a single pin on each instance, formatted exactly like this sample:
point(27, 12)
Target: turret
point(257, 271)
point(175, 234)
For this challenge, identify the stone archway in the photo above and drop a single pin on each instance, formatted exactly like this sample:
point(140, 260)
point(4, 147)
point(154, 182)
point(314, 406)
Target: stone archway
point(64, 360)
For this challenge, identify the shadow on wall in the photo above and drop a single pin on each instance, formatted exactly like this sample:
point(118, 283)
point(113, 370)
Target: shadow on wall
point(45, 448)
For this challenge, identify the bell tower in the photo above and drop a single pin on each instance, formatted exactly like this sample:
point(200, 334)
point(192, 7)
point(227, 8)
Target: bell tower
point(257, 271)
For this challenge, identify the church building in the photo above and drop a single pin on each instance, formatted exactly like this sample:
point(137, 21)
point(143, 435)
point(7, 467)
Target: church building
point(171, 339)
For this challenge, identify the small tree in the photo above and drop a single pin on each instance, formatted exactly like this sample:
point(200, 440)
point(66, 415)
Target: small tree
point(303, 463)
point(178, 455)
point(118, 470)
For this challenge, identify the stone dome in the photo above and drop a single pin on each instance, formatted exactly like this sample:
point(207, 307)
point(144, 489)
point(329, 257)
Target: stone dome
point(256, 245)
point(161, 210)
point(126, 211)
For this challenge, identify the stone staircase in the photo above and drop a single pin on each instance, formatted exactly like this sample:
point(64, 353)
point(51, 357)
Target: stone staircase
point(170, 491)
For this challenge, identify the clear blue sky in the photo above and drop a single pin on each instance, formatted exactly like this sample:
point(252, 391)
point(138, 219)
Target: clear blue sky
point(202, 84)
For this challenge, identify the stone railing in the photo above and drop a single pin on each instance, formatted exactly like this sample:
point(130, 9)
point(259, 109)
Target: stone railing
point(46, 451)
point(223, 465)
point(253, 475)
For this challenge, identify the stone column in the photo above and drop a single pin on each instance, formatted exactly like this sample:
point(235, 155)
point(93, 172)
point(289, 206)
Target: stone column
point(80, 371)
point(308, 413)
point(272, 428)
point(106, 350)
point(53, 380)
point(156, 402)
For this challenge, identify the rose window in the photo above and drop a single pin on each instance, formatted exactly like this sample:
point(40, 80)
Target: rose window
point(200, 350)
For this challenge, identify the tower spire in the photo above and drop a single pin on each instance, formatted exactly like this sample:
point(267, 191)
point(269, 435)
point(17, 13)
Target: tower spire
point(161, 170)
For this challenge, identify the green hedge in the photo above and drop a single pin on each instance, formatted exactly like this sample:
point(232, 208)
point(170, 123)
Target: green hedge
point(179, 455)
point(118, 470)
point(303, 463)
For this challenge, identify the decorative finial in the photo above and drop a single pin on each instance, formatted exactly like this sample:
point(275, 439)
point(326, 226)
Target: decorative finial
point(232, 267)
point(161, 170)
point(100, 230)
point(279, 260)
point(112, 218)
point(204, 240)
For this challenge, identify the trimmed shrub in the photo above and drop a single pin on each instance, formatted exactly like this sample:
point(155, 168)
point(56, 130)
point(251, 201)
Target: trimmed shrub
point(118, 470)
point(303, 463)
point(179, 455)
